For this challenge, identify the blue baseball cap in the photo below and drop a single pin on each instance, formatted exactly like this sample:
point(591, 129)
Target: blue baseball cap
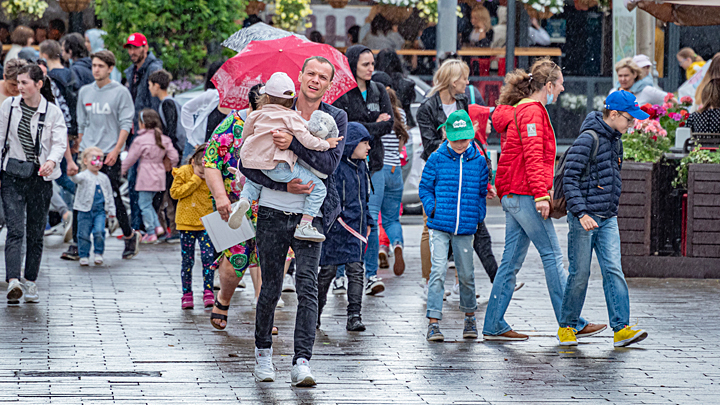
point(625, 101)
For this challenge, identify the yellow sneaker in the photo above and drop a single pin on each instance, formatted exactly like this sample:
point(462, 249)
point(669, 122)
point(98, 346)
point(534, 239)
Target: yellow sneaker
point(566, 336)
point(627, 336)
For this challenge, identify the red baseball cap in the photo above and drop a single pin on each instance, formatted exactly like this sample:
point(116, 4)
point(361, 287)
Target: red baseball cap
point(136, 39)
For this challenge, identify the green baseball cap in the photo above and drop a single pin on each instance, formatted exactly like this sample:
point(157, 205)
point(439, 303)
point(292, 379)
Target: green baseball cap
point(458, 126)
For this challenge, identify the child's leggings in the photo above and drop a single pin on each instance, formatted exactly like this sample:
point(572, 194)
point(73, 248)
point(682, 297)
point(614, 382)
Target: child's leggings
point(207, 255)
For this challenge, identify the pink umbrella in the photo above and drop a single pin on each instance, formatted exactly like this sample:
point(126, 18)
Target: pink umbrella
point(260, 59)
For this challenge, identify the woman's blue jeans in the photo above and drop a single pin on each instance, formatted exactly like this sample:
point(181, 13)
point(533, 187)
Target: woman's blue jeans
point(523, 224)
point(388, 186)
point(605, 240)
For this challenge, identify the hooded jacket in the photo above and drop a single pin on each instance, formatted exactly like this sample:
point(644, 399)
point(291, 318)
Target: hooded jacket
point(68, 84)
point(83, 70)
point(430, 116)
point(140, 91)
point(526, 165)
point(151, 171)
point(366, 111)
point(453, 189)
point(352, 184)
point(596, 191)
point(193, 197)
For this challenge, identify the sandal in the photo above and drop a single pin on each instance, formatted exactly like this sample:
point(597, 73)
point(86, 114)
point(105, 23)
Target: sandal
point(221, 317)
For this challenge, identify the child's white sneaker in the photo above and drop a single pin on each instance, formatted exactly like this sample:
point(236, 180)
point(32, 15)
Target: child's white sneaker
point(84, 261)
point(98, 259)
point(238, 213)
point(305, 231)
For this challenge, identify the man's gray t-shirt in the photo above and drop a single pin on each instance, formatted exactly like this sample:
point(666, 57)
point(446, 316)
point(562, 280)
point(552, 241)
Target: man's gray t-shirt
point(102, 113)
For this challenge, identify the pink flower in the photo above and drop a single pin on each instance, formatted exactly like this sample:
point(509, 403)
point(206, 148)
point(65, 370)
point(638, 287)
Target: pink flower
point(669, 97)
point(667, 106)
point(686, 100)
point(676, 116)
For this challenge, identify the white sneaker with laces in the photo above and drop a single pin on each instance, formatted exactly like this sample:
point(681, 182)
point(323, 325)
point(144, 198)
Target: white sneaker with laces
point(374, 286)
point(238, 213)
point(305, 231)
point(84, 261)
point(454, 294)
point(339, 286)
point(301, 376)
point(264, 370)
point(31, 292)
point(98, 260)
point(14, 292)
point(288, 283)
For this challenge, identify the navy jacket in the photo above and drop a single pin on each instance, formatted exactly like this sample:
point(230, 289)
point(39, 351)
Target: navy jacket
point(453, 189)
point(140, 91)
point(596, 192)
point(83, 70)
point(324, 162)
point(352, 184)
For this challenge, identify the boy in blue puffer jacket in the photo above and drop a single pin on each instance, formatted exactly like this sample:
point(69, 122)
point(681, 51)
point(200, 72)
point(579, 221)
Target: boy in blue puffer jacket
point(453, 190)
point(346, 239)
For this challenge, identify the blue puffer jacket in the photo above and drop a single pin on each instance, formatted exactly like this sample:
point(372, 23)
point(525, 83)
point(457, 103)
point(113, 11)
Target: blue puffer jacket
point(452, 182)
point(352, 182)
point(596, 192)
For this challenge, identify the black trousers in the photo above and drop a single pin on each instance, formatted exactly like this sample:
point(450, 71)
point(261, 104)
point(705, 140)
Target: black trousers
point(26, 203)
point(483, 248)
point(115, 175)
point(354, 273)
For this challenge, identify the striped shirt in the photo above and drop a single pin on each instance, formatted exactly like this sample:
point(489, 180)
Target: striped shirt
point(391, 144)
point(24, 134)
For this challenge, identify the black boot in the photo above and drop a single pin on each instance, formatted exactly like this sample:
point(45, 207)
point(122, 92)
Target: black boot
point(354, 324)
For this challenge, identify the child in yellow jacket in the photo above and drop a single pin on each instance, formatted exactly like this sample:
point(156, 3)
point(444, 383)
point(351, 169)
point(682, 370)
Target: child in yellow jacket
point(194, 202)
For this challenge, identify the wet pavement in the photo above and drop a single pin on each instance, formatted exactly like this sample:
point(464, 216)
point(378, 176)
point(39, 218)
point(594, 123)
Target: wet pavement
point(116, 334)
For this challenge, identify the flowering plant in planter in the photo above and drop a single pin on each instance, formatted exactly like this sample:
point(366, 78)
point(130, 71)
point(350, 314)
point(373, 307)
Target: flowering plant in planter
point(291, 15)
point(646, 141)
point(694, 157)
point(671, 114)
point(429, 10)
point(33, 8)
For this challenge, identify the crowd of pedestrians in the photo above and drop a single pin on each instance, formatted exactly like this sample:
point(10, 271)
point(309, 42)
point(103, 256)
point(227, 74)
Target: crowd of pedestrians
point(321, 183)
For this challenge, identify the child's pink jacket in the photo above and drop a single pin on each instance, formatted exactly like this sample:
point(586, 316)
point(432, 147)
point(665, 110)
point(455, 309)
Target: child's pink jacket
point(151, 171)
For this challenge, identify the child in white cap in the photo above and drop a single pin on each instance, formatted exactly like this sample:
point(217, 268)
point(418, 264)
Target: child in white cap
point(259, 152)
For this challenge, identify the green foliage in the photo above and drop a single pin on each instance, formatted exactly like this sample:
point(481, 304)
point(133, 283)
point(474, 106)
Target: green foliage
point(695, 157)
point(639, 147)
point(178, 31)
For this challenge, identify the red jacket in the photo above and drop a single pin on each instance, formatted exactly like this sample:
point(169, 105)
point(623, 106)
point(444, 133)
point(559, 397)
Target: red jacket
point(526, 167)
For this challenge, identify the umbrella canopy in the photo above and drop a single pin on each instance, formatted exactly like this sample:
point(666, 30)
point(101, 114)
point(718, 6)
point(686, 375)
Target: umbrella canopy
point(256, 32)
point(681, 12)
point(260, 59)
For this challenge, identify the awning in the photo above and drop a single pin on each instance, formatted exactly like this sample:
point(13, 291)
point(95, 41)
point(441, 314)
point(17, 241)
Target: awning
point(681, 12)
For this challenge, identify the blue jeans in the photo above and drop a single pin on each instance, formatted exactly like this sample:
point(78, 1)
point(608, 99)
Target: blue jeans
point(282, 174)
point(92, 222)
point(523, 224)
point(605, 240)
point(388, 186)
point(149, 216)
point(463, 247)
point(136, 219)
point(340, 272)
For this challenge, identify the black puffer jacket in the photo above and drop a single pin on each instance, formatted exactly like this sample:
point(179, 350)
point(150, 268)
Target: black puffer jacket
point(367, 111)
point(430, 116)
point(597, 190)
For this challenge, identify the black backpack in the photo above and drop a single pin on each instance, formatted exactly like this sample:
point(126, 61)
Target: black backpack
point(559, 204)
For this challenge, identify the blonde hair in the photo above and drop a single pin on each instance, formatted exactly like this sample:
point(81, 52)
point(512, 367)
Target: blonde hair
point(686, 53)
point(483, 15)
point(88, 151)
point(449, 72)
point(628, 63)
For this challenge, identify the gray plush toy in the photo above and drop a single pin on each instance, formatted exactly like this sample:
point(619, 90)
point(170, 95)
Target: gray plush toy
point(323, 126)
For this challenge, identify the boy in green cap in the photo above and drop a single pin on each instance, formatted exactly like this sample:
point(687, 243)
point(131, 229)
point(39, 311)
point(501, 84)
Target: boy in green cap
point(453, 190)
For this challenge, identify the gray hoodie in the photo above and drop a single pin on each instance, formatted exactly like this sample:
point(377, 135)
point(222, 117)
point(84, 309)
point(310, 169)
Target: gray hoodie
point(103, 113)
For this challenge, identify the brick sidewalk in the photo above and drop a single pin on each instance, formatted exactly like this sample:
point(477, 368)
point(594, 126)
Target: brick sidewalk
point(117, 333)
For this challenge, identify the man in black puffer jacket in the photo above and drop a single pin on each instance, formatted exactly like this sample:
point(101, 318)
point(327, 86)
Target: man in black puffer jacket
point(592, 189)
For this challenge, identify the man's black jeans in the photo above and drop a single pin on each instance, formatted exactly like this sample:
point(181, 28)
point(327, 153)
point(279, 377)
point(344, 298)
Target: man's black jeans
point(26, 203)
point(275, 230)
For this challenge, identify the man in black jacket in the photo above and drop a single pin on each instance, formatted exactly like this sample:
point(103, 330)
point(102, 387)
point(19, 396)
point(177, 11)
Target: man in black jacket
point(76, 54)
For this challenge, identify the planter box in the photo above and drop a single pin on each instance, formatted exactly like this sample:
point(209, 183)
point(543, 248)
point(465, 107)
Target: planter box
point(703, 211)
point(634, 213)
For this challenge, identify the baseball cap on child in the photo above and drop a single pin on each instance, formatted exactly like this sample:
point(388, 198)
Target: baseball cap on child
point(279, 85)
point(622, 100)
point(458, 126)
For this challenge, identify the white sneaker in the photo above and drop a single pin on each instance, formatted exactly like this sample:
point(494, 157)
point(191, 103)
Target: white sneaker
point(14, 292)
point(31, 292)
point(339, 286)
point(288, 283)
point(98, 260)
point(454, 294)
point(305, 231)
point(240, 208)
point(84, 261)
point(280, 303)
point(301, 376)
point(264, 370)
point(55, 230)
point(374, 286)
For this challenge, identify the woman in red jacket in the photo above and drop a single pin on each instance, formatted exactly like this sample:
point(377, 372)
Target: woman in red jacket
point(523, 181)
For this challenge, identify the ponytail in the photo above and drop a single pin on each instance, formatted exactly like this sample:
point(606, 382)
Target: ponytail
point(398, 125)
point(36, 74)
point(520, 84)
point(46, 90)
point(151, 120)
